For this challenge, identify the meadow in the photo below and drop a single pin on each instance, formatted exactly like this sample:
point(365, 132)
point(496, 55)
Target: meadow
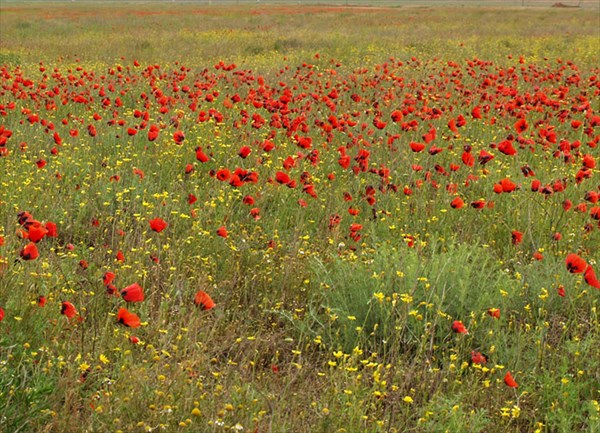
point(299, 219)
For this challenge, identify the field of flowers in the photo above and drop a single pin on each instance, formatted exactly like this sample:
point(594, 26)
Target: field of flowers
point(253, 220)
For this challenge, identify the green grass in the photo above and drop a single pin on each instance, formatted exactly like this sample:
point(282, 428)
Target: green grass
point(314, 330)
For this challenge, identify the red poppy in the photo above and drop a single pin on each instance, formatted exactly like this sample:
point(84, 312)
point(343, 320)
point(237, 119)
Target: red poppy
point(244, 152)
point(201, 156)
point(510, 381)
point(30, 252)
point(108, 278)
point(521, 125)
point(138, 172)
point(459, 328)
point(158, 224)
point(484, 157)
point(222, 231)
point(127, 318)
point(478, 358)
point(37, 232)
point(507, 148)
point(575, 264)
point(468, 159)
point(134, 339)
point(223, 174)
point(132, 131)
point(494, 312)
point(561, 291)
point(478, 204)
point(282, 177)
point(517, 237)
point(416, 147)
point(51, 230)
point(457, 203)
point(590, 278)
point(120, 256)
point(133, 293)
point(204, 301)
point(1, 314)
point(41, 301)
point(178, 137)
point(153, 132)
point(508, 185)
point(68, 309)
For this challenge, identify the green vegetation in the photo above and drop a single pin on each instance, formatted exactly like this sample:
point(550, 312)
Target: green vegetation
point(353, 295)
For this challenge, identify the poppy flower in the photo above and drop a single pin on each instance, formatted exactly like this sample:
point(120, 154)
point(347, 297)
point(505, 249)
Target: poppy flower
point(222, 231)
point(127, 318)
point(1, 314)
point(416, 147)
point(506, 147)
point(138, 172)
point(153, 132)
point(29, 252)
point(244, 152)
point(178, 137)
point(108, 278)
point(575, 264)
point(459, 328)
point(478, 204)
point(158, 224)
point(37, 232)
point(494, 312)
point(201, 156)
point(204, 301)
point(521, 125)
point(282, 177)
point(561, 291)
point(120, 256)
point(457, 203)
point(41, 301)
point(68, 309)
point(478, 358)
point(590, 278)
point(510, 381)
point(484, 157)
point(468, 159)
point(223, 174)
point(517, 237)
point(133, 293)
point(51, 230)
point(508, 185)
point(134, 339)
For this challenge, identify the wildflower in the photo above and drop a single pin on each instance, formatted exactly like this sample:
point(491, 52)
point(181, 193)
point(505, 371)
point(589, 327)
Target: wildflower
point(158, 224)
point(127, 318)
point(204, 301)
point(133, 293)
point(510, 381)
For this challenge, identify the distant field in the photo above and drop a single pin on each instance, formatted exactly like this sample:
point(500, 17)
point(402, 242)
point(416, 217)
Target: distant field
point(262, 36)
point(296, 218)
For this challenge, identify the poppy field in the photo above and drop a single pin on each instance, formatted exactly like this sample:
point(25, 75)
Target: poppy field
point(299, 219)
